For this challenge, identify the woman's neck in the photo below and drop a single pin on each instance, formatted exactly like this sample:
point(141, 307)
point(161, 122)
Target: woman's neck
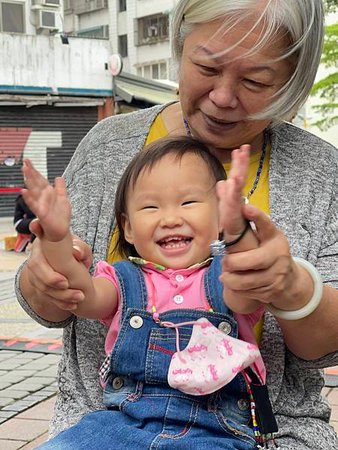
point(173, 121)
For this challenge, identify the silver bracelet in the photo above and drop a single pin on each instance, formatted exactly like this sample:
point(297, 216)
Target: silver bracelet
point(312, 303)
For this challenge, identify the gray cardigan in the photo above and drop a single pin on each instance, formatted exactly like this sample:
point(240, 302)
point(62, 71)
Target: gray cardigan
point(304, 204)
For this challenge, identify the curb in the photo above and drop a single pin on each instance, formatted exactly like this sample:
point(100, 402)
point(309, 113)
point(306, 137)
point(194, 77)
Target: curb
point(53, 346)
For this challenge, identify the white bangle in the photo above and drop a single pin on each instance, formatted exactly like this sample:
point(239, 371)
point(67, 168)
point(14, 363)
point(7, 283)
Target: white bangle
point(312, 303)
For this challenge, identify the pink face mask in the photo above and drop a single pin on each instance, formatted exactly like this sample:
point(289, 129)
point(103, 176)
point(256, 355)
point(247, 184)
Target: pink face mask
point(210, 360)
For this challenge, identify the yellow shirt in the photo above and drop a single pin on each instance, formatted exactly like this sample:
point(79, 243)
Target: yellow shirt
point(259, 198)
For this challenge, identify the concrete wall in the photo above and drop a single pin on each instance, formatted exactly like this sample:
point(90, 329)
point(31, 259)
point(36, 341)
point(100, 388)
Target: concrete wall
point(93, 19)
point(43, 61)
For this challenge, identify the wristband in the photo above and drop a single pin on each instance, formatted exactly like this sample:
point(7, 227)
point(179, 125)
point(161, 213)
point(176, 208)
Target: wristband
point(235, 241)
point(219, 247)
point(312, 303)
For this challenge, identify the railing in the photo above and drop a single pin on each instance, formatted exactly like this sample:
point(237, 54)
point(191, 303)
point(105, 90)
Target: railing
point(83, 6)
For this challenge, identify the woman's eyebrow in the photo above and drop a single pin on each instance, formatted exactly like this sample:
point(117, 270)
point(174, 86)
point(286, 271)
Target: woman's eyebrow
point(261, 69)
point(256, 68)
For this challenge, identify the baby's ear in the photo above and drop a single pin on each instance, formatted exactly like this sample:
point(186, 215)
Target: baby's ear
point(127, 229)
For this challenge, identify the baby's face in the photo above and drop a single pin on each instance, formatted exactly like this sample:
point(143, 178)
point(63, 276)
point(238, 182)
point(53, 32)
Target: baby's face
point(173, 212)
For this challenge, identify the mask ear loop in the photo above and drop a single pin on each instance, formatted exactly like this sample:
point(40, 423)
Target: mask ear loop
point(166, 324)
point(176, 326)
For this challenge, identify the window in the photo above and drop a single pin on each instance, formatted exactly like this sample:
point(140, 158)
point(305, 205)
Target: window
point(67, 5)
point(156, 71)
point(12, 17)
point(152, 29)
point(146, 71)
point(163, 71)
point(123, 45)
point(122, 5)
point(95, 32)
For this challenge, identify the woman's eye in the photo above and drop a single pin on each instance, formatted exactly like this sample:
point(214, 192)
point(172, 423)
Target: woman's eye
point(207, 69)
point(255, 83)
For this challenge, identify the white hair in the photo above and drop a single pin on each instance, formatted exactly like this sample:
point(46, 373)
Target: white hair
point(301, 20)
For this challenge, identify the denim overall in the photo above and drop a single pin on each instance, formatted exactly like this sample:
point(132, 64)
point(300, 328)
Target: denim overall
point(144, 412)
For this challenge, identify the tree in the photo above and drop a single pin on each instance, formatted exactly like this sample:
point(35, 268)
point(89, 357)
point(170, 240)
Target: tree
point(327, 88)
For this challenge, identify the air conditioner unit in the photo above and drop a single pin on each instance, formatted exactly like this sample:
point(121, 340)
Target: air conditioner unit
point(56, 3)
point(46, 19)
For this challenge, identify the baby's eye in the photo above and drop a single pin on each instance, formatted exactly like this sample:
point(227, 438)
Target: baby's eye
point(149, 207)
point(189, 202)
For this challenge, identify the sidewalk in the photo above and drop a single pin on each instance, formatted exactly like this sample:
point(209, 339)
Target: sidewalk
point(29, 355)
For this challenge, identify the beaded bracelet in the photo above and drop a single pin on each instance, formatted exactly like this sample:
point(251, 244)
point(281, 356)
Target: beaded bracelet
point(312, 303)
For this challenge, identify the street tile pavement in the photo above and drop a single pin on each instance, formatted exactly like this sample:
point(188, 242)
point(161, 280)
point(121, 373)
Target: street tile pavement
point(29, 355)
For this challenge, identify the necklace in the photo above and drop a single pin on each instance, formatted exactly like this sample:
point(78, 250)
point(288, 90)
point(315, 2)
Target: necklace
point(261, 159)
point(260, 166)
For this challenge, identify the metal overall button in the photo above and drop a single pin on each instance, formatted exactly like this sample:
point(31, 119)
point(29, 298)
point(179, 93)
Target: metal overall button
point(136, 322)
point(118, 382)
point(225, 327)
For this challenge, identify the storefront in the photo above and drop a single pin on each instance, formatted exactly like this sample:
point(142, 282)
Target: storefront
point(48, 134)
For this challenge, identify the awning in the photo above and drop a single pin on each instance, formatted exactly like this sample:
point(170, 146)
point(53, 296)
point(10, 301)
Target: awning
point(55, 100)
point(131, 88)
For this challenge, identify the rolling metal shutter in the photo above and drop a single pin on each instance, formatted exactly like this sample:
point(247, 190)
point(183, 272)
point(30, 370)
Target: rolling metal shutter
point(46, 134)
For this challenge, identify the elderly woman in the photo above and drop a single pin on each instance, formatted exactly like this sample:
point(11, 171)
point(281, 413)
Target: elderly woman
point(245, 66)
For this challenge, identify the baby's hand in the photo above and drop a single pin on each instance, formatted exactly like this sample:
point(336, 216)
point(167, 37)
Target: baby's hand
point(50, 204)
point(230, 194)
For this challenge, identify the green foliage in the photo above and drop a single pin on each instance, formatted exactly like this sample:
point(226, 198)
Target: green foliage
point(327, 88)
point(331, 5)
point(330, 49)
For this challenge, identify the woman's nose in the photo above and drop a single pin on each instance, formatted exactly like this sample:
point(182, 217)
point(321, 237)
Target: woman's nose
point(224, 93)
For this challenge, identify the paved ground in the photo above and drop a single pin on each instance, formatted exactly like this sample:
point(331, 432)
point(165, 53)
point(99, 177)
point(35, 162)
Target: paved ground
point(29, 355)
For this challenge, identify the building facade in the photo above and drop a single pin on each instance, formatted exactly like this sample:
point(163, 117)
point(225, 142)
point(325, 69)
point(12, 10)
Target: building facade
point(52, 91)
point(137, 29)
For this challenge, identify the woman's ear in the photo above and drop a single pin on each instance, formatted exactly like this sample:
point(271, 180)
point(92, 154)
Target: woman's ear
point(127, 229)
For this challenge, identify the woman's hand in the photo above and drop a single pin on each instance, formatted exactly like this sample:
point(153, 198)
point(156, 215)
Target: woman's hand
point(268, 273)
point(45, 285)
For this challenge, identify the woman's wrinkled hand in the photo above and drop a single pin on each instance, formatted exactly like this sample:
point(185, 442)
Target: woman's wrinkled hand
point(48, 284)
point(266, 274)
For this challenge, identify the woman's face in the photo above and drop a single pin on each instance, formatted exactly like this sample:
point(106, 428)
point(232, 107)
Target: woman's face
point(217, 94)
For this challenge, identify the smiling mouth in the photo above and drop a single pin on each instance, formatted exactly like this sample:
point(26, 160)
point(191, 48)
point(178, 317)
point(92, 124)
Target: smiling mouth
point(219, 122)
point(174, 242)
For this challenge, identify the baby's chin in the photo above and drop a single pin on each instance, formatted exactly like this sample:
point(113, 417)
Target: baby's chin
point(181, 265)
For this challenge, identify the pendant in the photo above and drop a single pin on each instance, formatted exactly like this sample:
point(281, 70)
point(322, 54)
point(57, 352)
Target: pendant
point(245, 200)
point(217, 248)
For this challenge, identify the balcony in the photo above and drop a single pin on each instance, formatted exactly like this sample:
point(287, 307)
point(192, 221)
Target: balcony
point(85, 6)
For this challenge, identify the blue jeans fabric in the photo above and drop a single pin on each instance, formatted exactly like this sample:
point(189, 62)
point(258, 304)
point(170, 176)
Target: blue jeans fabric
point(143, 411)
point(184, 425)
